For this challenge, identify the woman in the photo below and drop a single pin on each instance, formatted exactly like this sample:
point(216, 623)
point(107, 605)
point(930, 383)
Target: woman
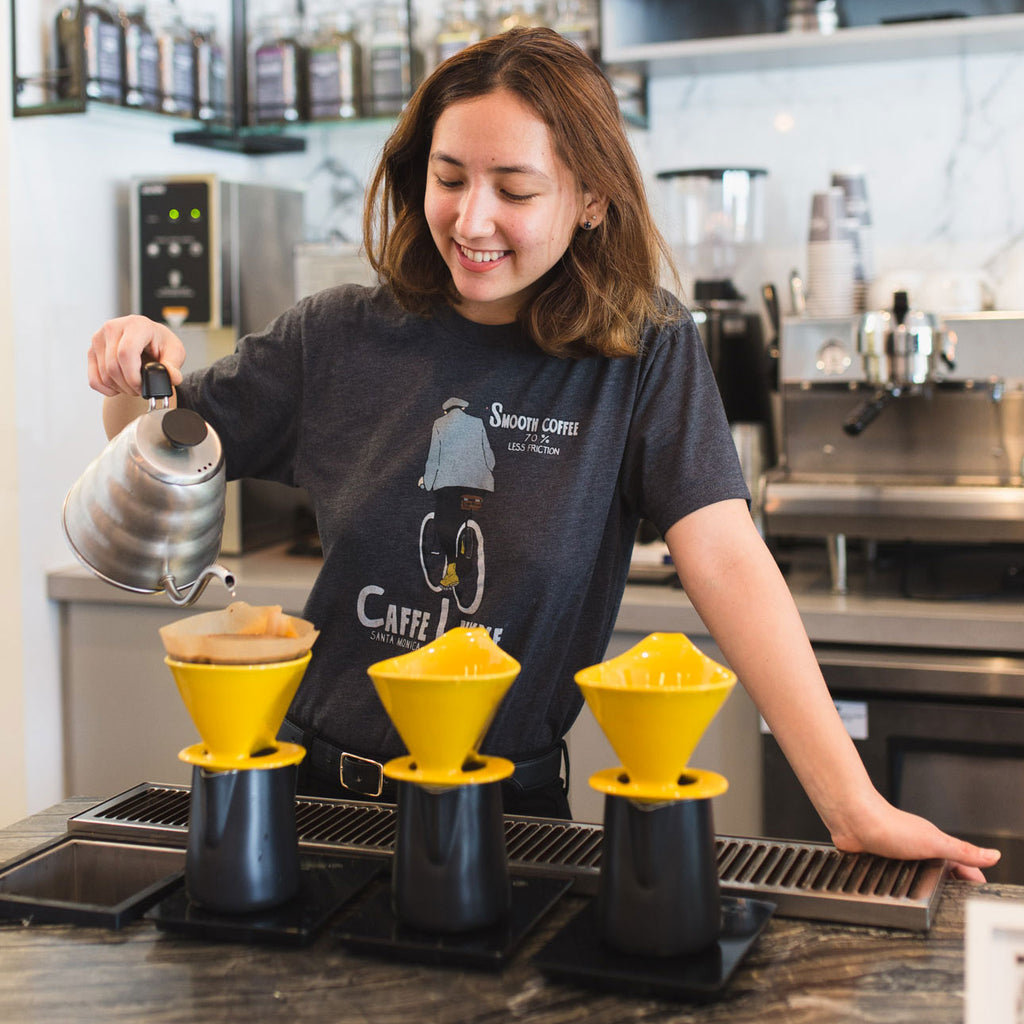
point(519, 265)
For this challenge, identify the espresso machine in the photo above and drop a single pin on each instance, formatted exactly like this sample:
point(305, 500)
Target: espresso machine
point(899, 426)
point(714, 222)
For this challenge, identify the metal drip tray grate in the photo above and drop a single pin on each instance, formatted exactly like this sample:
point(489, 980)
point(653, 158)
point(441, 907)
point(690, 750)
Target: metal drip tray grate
point(806, 880)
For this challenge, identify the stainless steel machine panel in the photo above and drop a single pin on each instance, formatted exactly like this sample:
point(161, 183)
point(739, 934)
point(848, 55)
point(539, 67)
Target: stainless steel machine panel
point(955, 435)
point(823, 350)
point(217, 252)
point(942, 462)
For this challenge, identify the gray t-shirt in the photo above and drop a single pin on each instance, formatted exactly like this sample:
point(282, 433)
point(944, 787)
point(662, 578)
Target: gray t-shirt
point(341, 395)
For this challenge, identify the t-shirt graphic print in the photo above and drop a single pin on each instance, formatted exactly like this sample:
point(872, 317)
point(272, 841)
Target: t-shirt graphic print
point(459, 472)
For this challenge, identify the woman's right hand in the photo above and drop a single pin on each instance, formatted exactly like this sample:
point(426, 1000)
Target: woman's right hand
point(116, 350)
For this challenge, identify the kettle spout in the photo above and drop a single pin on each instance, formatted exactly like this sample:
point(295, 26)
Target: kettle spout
point(188, 596)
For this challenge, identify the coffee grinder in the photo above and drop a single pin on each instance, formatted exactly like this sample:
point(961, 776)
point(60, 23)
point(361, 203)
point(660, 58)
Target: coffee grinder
point(201, 263)
point(714, 220)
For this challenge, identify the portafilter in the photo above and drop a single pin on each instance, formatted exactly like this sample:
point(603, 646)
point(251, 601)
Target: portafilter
point(902, 351)
point(147, 515)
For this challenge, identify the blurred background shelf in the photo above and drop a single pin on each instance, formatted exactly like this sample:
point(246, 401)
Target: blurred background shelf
point(652, 34)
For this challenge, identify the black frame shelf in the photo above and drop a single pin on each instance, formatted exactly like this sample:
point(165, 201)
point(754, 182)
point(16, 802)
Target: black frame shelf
point(232, 132)
point(247, 141)
point(229, 134)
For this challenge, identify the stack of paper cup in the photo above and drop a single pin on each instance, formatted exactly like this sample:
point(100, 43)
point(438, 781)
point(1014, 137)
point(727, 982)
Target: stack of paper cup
point(830, 256)
point(857, 209)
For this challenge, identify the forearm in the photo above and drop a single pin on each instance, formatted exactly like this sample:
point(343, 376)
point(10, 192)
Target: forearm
point(120, 410)
point(733, 582)
point(736, 587)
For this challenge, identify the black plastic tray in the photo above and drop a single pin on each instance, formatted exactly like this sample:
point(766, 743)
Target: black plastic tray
point(578, 955)
point(326, 883)
point(83, 881)
point(373, 927)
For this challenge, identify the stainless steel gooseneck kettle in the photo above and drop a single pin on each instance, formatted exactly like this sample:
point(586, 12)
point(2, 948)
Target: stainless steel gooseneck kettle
point(147, 515)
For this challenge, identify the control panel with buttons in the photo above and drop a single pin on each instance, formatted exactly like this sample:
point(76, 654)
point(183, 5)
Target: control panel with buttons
point(177, 272)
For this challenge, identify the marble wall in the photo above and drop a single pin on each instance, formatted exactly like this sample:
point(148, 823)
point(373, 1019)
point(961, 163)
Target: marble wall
point(939, 139)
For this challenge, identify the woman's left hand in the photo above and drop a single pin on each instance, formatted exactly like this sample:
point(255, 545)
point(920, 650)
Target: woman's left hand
point(736, 587)
point(889, 832)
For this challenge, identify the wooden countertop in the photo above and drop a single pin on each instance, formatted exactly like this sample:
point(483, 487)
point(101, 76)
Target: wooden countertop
point(798, 973)
point(872, 613)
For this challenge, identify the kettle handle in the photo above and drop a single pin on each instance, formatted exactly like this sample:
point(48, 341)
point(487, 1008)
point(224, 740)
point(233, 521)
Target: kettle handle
point(156, 381)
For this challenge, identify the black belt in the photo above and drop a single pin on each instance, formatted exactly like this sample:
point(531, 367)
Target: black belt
point(365, 776)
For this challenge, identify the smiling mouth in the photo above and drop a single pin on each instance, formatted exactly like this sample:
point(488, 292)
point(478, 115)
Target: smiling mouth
point(482, 255)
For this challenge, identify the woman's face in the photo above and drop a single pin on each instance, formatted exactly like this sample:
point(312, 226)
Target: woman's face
point(502, 207)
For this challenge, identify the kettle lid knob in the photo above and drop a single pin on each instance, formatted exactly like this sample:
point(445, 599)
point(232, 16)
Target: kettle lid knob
point(184, 428)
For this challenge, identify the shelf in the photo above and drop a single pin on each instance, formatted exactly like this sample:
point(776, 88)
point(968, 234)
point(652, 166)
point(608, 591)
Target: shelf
point(997, 34)
point(249, 142)
point(262, 140)
point(232, 136)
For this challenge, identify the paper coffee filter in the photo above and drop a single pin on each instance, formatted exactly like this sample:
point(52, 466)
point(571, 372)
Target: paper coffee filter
point(241, 634)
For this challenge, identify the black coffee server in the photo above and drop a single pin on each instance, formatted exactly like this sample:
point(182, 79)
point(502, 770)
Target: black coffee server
point(243, 852)
point(450, 868)
point(658, 891)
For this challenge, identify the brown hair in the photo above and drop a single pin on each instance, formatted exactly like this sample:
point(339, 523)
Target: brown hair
point(605, 288)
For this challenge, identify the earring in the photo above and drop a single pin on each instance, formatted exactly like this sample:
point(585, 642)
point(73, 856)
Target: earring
point(587, 225)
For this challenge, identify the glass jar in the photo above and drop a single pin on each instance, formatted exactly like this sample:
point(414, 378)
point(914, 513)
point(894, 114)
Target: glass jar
point(462, 24)
point(277, 72)
point(177, 61)
point(390, 59)
point(98, 68)
point(211, 88)
point(335, 69)
point(141, 61)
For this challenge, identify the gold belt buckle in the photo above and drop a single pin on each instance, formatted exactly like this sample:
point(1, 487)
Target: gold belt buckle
point(363, 775)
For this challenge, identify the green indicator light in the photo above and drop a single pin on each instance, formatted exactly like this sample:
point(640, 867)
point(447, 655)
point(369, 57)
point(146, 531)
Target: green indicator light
point(174, 215)
point(196, 214)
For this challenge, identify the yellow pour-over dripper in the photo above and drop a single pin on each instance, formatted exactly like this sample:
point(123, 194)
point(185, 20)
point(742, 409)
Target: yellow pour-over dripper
point(237, 710)
point(654, 703)
point(441, 699)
